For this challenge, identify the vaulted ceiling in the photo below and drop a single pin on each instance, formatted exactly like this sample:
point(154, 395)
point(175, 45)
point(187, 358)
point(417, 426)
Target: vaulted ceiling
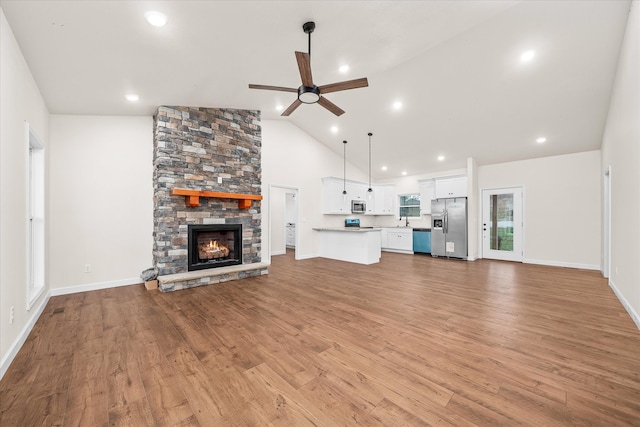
point(455, 67)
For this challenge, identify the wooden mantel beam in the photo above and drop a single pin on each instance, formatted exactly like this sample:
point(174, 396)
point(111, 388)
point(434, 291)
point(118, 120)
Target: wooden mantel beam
point(192, 197)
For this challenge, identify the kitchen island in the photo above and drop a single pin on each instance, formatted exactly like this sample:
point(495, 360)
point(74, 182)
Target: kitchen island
point(351, 244)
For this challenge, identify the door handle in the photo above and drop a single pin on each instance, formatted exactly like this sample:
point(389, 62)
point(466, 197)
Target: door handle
point(446, 221)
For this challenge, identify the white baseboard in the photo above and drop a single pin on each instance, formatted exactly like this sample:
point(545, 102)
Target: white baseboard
point(561, 264)
point(308, 256)
point(398, 251)
point(15, 347)
point(94, 286)
point(625, 304)
point(278, 252)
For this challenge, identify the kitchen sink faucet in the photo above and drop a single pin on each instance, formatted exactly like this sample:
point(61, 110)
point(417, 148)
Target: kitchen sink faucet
point(406, 221)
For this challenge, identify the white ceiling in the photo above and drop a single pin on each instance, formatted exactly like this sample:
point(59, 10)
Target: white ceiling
point(455, 66)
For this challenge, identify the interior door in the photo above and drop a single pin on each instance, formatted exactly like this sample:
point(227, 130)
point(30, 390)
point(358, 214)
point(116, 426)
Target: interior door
point(502, 226)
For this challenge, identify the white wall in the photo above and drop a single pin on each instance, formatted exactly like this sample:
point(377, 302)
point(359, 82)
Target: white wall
point(292, 158)
point(621, 151)
point(101, 200)
point(20, 102)
point(277, 220)
point(562, 214)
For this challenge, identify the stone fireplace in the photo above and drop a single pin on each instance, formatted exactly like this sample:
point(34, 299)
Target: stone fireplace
point(212, 156)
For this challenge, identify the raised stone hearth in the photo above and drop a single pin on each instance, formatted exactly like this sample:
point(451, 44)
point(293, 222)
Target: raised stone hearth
point(174, 282)
point(210, 150)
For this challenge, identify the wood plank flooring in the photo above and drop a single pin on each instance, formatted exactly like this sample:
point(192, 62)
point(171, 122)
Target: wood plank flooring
point(411, 341)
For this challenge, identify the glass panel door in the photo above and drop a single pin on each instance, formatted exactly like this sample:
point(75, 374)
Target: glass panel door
point(502, 224)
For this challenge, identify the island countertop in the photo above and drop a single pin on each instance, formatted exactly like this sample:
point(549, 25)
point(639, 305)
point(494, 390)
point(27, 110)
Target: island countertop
point(349, 229)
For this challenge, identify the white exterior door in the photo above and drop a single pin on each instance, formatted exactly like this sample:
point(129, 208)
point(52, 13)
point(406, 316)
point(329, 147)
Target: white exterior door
point(502, 226)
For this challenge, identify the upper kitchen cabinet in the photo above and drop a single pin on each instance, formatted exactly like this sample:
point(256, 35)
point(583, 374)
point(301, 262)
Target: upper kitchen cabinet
point(384, 198)
point(427, 193)
point(333, 201)
point(381, 201)
point(356, 191)
point(451, 187)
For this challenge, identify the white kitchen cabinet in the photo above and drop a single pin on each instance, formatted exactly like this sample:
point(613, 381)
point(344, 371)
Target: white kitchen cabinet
point(384, 199)
point(384, 238)
point(356, 191)
point(427, 193)
point(333, 201)
point(370, 200)
point(399, 239)
point(381, 201)
point(451, 187)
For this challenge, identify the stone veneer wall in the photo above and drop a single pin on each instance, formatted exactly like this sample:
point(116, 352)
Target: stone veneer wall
point(194, 148)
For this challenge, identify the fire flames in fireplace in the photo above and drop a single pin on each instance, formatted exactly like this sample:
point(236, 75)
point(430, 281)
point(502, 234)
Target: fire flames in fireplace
point(212, 250)
point(214, 245)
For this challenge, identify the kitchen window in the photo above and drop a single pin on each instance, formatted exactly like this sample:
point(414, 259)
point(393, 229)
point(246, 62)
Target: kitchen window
point(409, 205)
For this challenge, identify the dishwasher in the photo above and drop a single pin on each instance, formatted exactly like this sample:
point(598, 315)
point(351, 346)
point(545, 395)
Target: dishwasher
point(422, 240)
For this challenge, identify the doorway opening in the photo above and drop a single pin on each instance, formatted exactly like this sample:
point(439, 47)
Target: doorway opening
point(606, 223)
point(284, 230)
point(35, 217)
point(502, 224)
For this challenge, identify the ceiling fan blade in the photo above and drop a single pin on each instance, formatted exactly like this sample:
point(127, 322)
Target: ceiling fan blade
point(304, 65)
point(330, 106)
point(291, 108)
point(280, 88)
point(349, 84)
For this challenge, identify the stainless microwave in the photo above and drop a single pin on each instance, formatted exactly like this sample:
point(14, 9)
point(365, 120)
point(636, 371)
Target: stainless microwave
point(358, 206)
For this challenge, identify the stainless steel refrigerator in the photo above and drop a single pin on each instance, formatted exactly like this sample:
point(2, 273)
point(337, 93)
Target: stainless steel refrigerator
point(449, 227)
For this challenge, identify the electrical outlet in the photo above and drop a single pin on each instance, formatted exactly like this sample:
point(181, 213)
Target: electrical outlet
point(219, 180)
point(11, 314)
point(87, 268)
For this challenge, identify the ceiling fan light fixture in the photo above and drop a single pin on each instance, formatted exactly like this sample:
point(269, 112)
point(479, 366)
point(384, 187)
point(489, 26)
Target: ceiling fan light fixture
point(308, 94)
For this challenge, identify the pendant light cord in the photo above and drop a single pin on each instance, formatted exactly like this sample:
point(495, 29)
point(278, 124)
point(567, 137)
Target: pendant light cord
point(370, 135)
point(344, 168)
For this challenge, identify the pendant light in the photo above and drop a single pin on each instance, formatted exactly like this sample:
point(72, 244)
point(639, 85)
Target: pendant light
point(370, 190)
point(344, 171)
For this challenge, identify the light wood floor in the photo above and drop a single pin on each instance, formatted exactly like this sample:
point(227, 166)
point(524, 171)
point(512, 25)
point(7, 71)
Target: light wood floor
point(410, 341)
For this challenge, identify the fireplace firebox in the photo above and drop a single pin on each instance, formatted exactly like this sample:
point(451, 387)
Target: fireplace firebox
point(214, 245)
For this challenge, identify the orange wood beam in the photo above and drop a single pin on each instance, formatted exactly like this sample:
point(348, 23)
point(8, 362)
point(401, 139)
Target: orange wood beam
point(192, 197)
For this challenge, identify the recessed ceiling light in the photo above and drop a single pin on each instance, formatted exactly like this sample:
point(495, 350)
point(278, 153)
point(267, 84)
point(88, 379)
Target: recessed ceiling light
point(440, 158)
point(397, 105)
point(541, 140)
point(343, 69)
point(156, 19)
point(527, 55)
point(334, 129)
point(384, 168)
point(404, 173)
point(132, 97)
point(279, 107)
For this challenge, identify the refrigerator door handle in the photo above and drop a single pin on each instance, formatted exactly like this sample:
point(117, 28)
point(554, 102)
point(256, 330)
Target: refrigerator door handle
point(445, 228)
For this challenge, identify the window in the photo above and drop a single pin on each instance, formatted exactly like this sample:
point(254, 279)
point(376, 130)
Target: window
point(409, 205)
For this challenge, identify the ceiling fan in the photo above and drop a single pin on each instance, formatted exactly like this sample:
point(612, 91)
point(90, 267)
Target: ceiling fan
point(309, 93)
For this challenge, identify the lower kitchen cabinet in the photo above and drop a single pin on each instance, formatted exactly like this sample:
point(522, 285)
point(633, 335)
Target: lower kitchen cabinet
point(398, 239)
